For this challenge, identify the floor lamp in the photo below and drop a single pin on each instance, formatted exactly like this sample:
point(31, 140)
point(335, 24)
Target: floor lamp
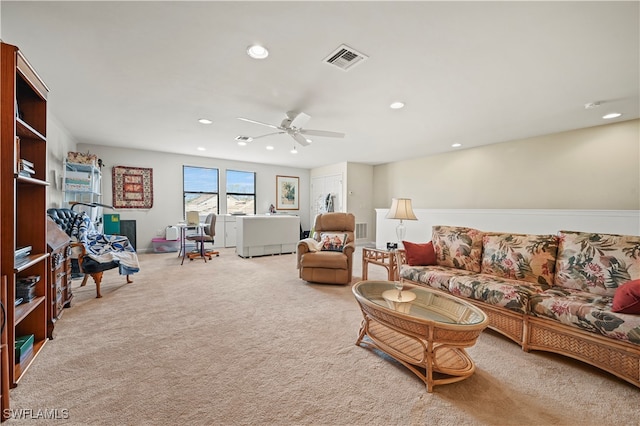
point(401, 209)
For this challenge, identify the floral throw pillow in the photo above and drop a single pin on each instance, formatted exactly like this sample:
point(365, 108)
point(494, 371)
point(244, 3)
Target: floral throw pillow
point(597, 263)
point(332, 242)
point(530, 258)
point(458, 247)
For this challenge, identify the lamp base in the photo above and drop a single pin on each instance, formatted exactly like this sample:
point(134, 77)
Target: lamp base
point(400, 233)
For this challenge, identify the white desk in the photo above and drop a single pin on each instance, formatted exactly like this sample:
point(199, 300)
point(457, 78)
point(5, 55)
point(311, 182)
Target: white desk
point(199, 230)
point(262, 235)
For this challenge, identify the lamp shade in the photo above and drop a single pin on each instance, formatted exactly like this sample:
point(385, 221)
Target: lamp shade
point(401, 209)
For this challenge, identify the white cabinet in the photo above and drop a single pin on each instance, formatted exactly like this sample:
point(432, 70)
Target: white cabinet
point(218, 240)
point(229, 231)
point(265, 235)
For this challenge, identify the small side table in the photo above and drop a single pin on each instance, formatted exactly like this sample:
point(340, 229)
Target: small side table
point(384, 258)
point(399, 300)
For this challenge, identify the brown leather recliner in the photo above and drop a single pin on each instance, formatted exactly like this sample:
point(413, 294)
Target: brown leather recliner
point(328, 267)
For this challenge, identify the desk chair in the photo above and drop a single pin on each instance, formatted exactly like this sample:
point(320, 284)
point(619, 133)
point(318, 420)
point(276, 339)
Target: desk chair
point(205, 237)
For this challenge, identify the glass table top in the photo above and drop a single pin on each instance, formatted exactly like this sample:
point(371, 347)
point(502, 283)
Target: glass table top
point(419, 302)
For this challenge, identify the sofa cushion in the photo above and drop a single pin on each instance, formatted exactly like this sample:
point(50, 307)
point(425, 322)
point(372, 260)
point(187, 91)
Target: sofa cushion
point(587, 311)
point(419, 254)
point(523, 257)
point(627, 298)
point(511, 294)
point(596, 263)
point(458, 247)
point(433, 276)
point(324, 259)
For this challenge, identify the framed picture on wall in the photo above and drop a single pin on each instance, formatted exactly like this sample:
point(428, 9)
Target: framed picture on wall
point(287, 193)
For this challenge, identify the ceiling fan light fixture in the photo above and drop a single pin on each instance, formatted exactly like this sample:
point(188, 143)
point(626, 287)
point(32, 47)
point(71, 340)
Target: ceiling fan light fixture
point(257, 52)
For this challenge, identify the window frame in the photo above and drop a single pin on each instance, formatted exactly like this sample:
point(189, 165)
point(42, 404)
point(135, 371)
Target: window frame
point(228, 193)
point(185, 192)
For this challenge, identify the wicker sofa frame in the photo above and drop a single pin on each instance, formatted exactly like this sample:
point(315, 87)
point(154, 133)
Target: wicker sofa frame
point(617, 357)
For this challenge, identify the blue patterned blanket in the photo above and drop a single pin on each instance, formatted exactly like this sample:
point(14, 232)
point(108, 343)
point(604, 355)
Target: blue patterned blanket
point(105, 248)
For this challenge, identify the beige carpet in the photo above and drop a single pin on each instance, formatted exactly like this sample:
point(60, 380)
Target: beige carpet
point(244, 341)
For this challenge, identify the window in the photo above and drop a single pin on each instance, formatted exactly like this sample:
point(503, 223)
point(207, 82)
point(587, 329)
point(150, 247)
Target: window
point(241, 192)
point(200, 190)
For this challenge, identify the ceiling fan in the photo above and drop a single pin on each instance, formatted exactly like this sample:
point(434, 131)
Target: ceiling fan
point(293, 125)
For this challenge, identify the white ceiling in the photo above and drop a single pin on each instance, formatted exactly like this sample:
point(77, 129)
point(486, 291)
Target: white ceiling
point(140, 74)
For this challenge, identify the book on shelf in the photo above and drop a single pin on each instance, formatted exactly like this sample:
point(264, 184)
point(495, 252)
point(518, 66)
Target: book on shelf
point(22, 252)
point(26, 163)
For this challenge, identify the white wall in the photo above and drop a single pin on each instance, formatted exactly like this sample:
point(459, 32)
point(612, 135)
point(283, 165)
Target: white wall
point(359, 195)
point(521, 221)
point(167, 185)
point(59, 142)
point(597, 168)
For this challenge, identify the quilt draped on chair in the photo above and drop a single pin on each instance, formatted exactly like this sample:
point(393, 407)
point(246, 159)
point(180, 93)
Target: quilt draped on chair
point(105, 248)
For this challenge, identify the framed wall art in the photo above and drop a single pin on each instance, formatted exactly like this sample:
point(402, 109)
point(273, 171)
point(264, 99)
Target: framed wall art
point(132, 187)
point(287, 193)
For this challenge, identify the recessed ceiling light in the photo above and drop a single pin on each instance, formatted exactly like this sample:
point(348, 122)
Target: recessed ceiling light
point(200, 148)
point(612, 115)
point(257, 52)
point(205, 121)
point(309, 141)
point(242, 143)
point(456, 145)
point(294, 150)
point(397, 105)
point(269, 147)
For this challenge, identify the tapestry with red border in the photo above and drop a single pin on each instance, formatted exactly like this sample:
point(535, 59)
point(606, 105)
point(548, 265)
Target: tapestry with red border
point(132, 187)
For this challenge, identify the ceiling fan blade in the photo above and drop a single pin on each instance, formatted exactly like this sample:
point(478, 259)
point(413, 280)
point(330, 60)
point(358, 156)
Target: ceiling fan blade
point(268, 134)
point(322, 133)
point(300, 120)
point(300, 139)
point(258, 122)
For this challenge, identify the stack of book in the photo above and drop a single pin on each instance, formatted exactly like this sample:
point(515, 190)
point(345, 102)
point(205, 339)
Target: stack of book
point(26, 288)
point(24, 347)
point(21, 256)
point(26, 168)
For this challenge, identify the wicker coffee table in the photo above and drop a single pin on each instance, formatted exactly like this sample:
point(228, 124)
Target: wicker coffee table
point(427, 335)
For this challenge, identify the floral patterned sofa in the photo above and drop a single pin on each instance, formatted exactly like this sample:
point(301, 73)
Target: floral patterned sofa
point(557, 293)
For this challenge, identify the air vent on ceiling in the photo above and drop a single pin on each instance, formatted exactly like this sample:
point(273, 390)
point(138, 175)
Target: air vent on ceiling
point(345, 58)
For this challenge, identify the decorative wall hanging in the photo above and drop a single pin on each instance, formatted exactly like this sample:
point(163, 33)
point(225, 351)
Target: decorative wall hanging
point(287, 194)
point(132, 187)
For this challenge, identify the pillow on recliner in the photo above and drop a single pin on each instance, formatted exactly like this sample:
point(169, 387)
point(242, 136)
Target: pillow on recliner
point(626, 299)
point(332, 241)
point(420, 254)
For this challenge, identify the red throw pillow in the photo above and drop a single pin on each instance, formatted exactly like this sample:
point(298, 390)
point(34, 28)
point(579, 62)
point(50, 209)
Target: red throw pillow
point(420, 254)
point(627, 298)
